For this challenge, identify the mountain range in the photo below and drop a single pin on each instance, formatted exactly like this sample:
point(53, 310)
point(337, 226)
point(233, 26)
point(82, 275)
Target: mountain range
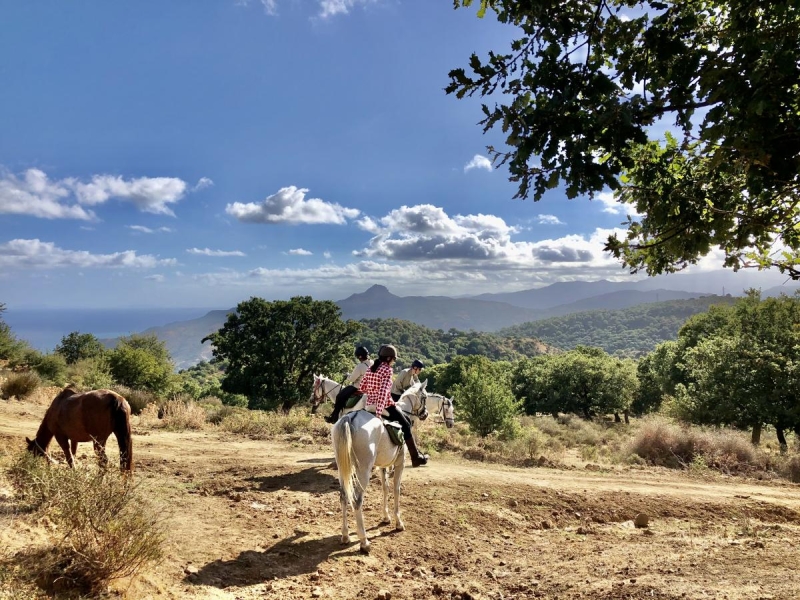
point(487, 312)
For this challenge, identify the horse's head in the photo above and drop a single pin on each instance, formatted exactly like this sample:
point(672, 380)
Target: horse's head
point(448, 412)
point(35, 449)
point(417, 395)
point(317, 393)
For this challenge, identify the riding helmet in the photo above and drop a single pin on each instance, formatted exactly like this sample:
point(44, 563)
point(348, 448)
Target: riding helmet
point(418, 364)
point(388, 351)
point(362, 353)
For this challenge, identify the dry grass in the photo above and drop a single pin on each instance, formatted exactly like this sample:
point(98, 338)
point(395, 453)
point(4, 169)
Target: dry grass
point(180, 415)
point(138, 399)
point(259, 424)
point(20, 385)
point(102, 526)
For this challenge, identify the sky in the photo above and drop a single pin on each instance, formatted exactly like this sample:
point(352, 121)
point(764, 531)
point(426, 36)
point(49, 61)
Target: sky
point(175, 154)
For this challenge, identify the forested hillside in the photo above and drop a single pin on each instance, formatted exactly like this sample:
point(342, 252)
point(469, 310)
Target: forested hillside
point(628, 332)
point(438, 346)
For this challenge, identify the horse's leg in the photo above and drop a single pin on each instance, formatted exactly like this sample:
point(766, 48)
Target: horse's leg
point(385, 487)
point(100, 451)
point(345, 530)
point(74, 448)
point(363, 477)
point(399, 465)
point(63, 441)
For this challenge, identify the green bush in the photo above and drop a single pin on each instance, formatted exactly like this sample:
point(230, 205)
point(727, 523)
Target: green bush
point(486, 403)
point(20, 385)
point(142, 362)
point(138, 399)
point(90, 374)
point(52, 368)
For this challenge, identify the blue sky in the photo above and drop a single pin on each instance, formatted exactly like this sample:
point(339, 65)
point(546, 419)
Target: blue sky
point(199, 153)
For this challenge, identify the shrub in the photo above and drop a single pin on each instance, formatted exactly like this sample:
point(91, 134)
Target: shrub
point(52, 368)
point(487, 404)
point(138, 399)
point(104, 527)
point(20, 385)
point(90, 374)
point(791, 469)
point(179, 415)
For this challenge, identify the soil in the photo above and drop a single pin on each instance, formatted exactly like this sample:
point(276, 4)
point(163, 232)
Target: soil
point(261, 519)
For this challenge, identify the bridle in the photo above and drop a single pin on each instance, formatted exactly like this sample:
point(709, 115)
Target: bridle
point(319, 393)
point(422, 412)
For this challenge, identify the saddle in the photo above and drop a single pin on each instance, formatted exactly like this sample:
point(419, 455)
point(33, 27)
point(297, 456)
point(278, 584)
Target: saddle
point(395, 430)
point(353, 399)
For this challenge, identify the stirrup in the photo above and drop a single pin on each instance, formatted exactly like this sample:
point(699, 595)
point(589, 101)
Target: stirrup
point(330, 419)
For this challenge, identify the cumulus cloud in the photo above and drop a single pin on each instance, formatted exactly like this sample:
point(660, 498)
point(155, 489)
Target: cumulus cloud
point(289, 205)
point(210, 252)
point(36, 195)
point(327, 255)
point(149, 194)
point(300, 252)
point(478, 162)
point(26, 254)
point(143, 229)
point(479, 244)
point(331, 8)
point(549, 220)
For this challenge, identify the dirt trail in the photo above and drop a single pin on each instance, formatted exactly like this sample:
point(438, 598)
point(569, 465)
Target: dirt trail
point(255, 519)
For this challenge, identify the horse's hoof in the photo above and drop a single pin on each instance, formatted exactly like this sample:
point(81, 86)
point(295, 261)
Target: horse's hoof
point(400, 526)
point(364, 548)
point(385, 521)
point(345, 540)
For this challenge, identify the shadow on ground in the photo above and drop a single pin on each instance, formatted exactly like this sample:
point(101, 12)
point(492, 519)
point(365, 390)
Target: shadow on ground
point(295, 555)
point(312, 480)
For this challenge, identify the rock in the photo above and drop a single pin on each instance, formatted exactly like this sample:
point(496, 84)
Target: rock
point(316, 593)
point(384, 595)
point(582, 531)
point(641, 521)
point(191, 570)
point(547, 525)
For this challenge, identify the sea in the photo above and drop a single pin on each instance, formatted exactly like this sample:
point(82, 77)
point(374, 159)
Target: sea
point(43, 328)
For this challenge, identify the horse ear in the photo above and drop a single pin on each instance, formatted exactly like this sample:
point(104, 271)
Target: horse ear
point(29, 441)
point(424, 384)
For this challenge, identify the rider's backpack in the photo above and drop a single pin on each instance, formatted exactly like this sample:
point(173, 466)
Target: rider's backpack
point(395, 432)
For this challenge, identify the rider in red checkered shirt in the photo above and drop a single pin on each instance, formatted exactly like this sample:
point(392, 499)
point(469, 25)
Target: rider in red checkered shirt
point(377, 384)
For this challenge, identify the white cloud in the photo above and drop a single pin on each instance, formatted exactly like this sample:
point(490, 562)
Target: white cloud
point(289, 205)
point(143, 229)
point(611, 206)
point(478, 162)
point(157, 278)
point(549, 220)
point(149, 194)
point(35, 195)
point(202, 183)
point(300, 252)
point(25, 254)
point(209, 252)
point(327, 255)
point(331, 8)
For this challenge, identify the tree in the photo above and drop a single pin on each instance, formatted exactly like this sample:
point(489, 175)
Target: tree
point(584, 82)
point(10, 347)
point(274, 349)
point(77, 346)
point(584, 381)
point(142, 362)
point(486, 403)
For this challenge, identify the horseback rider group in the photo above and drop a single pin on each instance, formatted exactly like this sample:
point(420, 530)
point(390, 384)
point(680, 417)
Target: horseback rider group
point(375, 380)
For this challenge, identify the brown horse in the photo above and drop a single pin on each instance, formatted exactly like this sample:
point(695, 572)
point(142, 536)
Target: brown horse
point(86, 417)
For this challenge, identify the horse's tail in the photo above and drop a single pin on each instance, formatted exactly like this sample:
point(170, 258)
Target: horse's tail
point(121, 421)
point(342, 436)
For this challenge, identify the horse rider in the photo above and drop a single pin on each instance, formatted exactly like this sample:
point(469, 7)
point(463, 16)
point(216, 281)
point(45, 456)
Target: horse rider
point(406, 378)
point(377, 384)
point(364, 363)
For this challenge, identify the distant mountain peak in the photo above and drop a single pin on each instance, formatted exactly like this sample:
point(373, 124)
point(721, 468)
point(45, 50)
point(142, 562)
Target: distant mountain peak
point(376, 291)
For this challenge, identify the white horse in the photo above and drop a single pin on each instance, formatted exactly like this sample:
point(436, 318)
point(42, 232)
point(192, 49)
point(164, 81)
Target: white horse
point(442, 407)
point(327, 389)
point(360, 443)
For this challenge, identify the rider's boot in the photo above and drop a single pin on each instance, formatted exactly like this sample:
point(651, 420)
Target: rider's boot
point(417, 459)
point(337, 408)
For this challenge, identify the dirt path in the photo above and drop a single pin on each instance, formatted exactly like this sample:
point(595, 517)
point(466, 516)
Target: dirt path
point(257, 519)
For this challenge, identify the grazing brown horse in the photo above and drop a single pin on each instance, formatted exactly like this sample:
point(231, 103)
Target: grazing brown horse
point(86, 417)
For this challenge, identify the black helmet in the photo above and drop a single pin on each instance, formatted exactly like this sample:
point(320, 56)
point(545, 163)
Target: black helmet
point(362, 352)
point(388, 351)
point(418, 364)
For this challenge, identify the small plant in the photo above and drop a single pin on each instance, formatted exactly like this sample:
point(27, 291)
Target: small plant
point(179, 415)
point(138, 399)
point(20, 385)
